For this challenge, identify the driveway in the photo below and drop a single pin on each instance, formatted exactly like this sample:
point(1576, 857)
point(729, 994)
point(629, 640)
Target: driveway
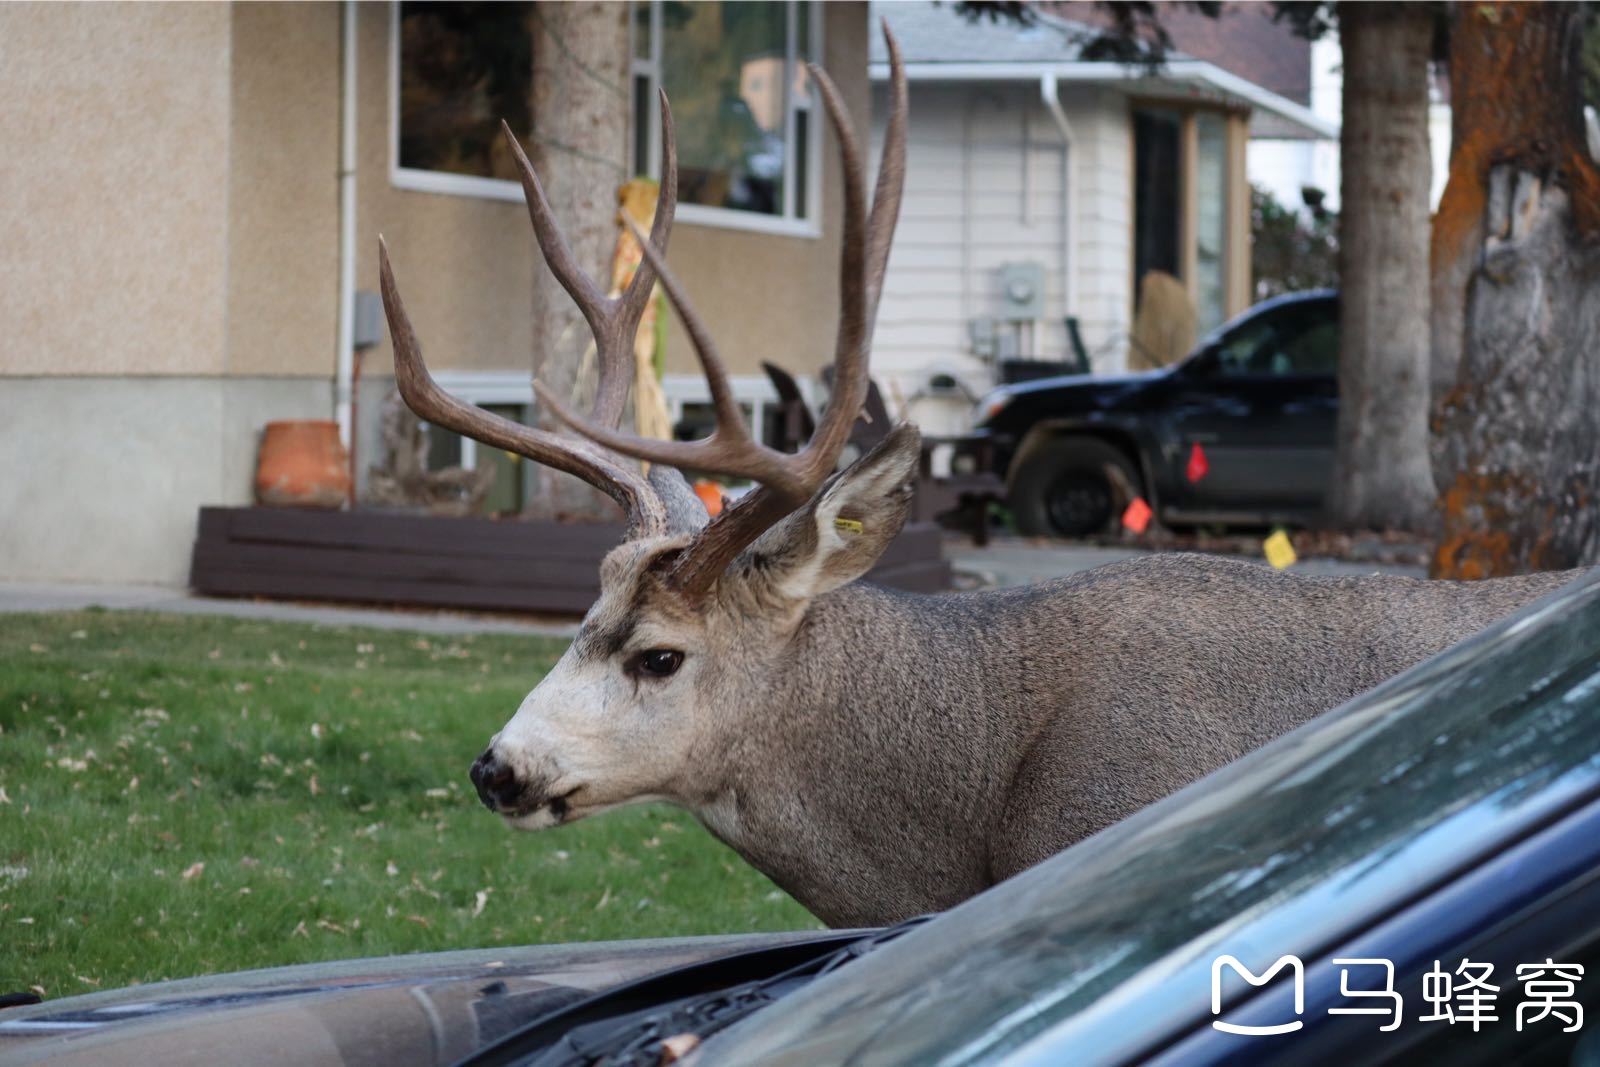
point(1013, 561)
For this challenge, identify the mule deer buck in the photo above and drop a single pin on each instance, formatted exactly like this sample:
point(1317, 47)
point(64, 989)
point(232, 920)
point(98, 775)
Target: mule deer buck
point(881, 754)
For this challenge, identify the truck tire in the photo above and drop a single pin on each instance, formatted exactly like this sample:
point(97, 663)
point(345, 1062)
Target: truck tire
point(1072, 487)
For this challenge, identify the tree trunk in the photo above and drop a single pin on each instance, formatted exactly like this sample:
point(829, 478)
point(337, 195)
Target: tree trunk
point(580, 121)
point(1517, 260)
point(1381, 472)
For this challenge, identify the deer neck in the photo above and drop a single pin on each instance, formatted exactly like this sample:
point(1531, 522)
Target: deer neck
point(878, 764)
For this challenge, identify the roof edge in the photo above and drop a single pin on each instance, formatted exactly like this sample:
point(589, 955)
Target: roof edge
point(1193, 71)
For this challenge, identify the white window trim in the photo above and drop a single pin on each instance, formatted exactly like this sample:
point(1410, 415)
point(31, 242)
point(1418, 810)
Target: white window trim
point(412, 179)
point(515, 387)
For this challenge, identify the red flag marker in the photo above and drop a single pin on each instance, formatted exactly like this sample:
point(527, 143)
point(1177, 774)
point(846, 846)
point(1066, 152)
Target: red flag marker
point(1198, 467)
point(1137, 516)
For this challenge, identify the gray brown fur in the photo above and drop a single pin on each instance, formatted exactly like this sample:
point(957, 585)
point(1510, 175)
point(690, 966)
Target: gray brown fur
point(1007, 725)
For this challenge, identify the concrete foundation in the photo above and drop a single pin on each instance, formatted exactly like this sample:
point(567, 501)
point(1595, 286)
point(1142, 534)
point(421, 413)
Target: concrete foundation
point(104, 477)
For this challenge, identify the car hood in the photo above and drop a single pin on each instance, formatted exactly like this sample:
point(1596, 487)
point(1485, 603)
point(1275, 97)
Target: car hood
point(393, 1011)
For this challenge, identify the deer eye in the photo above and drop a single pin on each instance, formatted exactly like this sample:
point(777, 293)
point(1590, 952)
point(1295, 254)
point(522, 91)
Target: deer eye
point(659, 662)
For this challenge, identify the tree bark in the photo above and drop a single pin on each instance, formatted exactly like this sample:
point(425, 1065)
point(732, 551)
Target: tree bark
point(580, 120)
point(1382, 476)
point(1516, 256)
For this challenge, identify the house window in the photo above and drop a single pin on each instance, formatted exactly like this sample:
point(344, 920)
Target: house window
point(1182, 221)
point(508, 394)
point(735, 72)
point(458, 69)
point(1210, 220)
point(742, 105)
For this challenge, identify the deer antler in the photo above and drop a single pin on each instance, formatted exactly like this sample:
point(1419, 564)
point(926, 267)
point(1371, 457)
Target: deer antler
point(785, 481)
point(614, 322)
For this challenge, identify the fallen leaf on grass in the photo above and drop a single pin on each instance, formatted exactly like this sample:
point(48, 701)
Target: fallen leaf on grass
point(419, 920)
point(300, 930)
point(605, 898)
point(3, 798)
point(193, 871)
point(88, 981)
point(480, 898)
point(325, 924)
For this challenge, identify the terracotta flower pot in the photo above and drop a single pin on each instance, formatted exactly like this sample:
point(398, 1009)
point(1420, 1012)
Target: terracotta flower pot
point(302, 464)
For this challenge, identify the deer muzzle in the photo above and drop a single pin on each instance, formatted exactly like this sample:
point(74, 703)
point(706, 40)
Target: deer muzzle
point(504, 792)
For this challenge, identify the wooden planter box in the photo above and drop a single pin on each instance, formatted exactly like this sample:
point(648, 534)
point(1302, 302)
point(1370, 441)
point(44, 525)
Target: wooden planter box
point(380, 557)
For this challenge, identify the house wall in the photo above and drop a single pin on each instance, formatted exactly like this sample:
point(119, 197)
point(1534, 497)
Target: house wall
point(170, 278)
point(987, 184)
point(168, 283)
point(115, 226)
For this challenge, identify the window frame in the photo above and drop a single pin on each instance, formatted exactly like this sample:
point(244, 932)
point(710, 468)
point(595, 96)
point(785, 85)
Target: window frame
point(1236, 295)
point(413, 179)
point(787, 224)
point(751, 391)
point(417, 180)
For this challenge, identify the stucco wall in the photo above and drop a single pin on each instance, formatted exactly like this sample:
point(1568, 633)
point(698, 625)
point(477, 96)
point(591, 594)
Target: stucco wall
point(113, 165)
point(283, 193)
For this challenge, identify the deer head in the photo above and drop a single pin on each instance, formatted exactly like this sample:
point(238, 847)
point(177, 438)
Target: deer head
point(692, 613)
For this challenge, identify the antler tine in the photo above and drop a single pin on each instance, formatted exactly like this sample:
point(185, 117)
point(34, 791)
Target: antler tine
point(785, 481)
point(647, 516)
point(612, 320)
point(891, 180)
point(730, 448)
point(850, 350)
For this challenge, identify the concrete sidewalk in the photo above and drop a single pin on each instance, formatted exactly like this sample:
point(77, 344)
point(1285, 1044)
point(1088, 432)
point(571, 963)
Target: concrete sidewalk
point(1003, 563)
point(62, 597)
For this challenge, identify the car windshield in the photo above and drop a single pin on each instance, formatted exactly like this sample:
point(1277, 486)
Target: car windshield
point(1274, 853)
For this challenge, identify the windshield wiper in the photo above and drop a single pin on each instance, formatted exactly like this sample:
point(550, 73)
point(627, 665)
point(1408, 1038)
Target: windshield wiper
point(587, 1032)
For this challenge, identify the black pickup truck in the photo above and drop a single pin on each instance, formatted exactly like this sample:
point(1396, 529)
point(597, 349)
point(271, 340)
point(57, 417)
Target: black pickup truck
point(1251, 411)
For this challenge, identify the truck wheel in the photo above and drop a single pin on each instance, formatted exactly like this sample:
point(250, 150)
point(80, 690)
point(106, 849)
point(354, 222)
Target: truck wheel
point(1072, 487)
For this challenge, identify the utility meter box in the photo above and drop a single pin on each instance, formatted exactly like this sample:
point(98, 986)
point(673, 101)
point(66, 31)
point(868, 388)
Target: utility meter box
point(1021, 291)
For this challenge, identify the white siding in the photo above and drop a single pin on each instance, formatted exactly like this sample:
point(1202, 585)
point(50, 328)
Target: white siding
point(986, 184)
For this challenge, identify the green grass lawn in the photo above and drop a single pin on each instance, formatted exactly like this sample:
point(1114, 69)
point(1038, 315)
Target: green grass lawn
point(183, 796)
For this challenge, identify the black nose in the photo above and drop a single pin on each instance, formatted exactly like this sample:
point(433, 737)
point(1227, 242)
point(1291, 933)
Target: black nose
point(496, 782)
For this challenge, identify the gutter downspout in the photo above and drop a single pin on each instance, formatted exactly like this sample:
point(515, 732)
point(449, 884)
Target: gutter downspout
point(344, 372)
point(1050, 96)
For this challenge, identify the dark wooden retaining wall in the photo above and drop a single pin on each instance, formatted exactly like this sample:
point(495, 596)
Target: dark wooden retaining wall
point(386, 558)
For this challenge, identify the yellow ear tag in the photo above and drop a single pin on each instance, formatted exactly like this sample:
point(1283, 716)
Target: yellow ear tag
point(848, 525)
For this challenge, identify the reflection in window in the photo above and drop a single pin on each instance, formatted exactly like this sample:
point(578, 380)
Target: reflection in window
point(740, 97)
point(1211, 219)
point(1158, 192)
point(463, 67)
point(1295, 340)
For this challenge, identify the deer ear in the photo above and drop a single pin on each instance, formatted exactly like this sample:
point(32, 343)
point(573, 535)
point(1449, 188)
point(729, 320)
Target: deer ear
point(841, 532)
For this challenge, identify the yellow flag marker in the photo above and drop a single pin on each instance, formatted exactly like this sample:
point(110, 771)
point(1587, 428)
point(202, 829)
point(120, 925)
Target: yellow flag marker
point(1280, 552)
point(848, 525)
